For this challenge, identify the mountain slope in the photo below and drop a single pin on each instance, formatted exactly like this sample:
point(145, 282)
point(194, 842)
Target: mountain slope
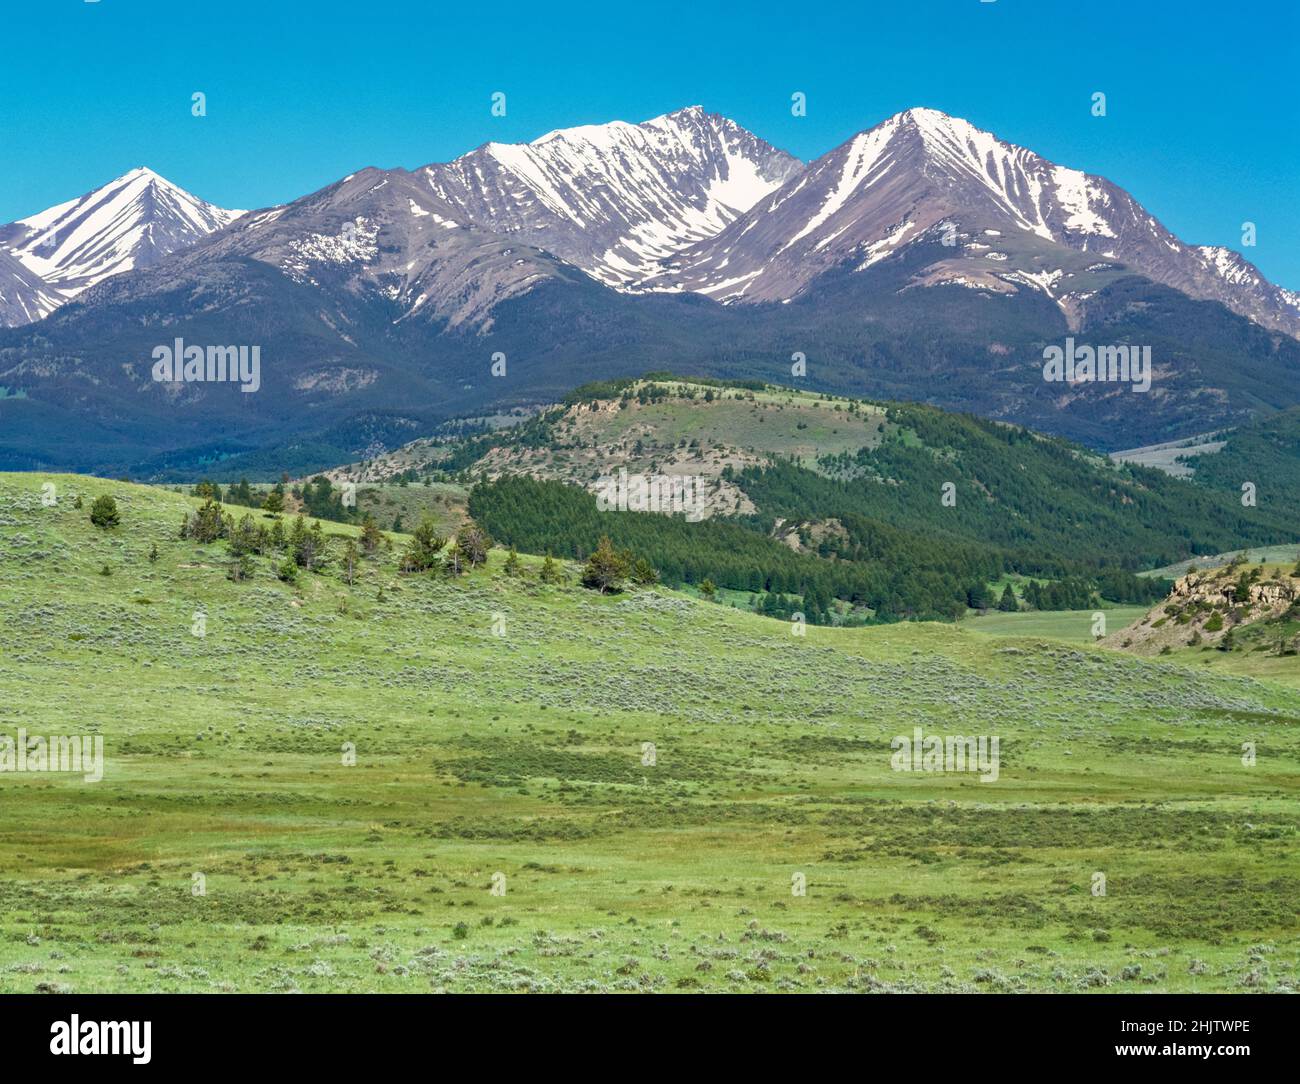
point(133, 221)
point(382, 237)
point(1265, 453)
point(24, 295)
point(793, 456)
point(616, 198)
point(922, 173)
point(916, 266)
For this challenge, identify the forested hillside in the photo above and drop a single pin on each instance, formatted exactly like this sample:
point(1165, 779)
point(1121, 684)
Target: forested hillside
point(896, 510)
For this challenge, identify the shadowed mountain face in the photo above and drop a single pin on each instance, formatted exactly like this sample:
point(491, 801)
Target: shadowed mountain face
point(921, 260)
point(24, 295)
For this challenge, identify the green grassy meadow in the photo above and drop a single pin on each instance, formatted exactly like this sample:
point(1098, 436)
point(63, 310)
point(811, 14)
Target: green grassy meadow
point(1287, 554)
point(1071, 625)
point(502, 827)
point(778, 422)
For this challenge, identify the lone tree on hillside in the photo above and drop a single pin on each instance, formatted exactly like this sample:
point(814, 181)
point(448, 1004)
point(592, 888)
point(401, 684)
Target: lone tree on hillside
point(606, 568)
point(103, 513)
point(551, 571)
point(350, 557)
point(206, 525)
point(371, 536)
point(422, 551)
point(474, 544)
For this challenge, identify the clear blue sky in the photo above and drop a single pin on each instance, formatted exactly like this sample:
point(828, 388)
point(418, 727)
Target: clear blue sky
point(1203, 122)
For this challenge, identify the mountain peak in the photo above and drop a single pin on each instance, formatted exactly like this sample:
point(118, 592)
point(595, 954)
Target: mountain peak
point(140, 171)
point(893, 184)
point(131, 221)
point(922, 115)
point(614, 199)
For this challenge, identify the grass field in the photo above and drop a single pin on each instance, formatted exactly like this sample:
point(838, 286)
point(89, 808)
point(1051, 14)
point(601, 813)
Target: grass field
point(444, 502)
point(1288, 554)
point(788, 423)
point(1263, 665)
point(500, 731)
point(1076, 626)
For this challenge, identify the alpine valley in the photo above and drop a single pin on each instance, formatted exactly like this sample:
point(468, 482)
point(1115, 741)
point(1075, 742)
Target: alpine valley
point(923, 260)
point(390, 695)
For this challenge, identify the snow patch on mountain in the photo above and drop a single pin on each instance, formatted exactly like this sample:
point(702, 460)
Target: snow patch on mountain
point(356, 242)
point(616, 199)
point(864, 155)
point(1076, 195)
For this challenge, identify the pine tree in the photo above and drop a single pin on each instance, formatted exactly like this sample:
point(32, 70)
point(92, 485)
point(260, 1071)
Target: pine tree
point(350, 557)
point(644, 574)
point(371, 536)
point(247, 537)
point(274, 502)
point(606, 569)
point(209, 491)
point(512, 566)
point(473, 543)
point(1008, 603)
point(297, 538)
point(421, 552)
point(551, 572)
point(310, 550)
point(104, 514)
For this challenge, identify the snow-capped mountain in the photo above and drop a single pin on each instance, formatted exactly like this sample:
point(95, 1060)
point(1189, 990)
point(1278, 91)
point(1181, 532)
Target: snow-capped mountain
point(616, 198)
point(130, 222)
point(382, 235)
point(924, 174)
point(453, 241)
point(929, 261)
point(685, 202)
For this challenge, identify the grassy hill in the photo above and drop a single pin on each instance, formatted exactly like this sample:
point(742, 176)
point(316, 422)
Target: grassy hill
point(805, 455)
point(1071, 625)
point(901, 510)
point(1243, 617)
point(499, 727)
point(1275, 555)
